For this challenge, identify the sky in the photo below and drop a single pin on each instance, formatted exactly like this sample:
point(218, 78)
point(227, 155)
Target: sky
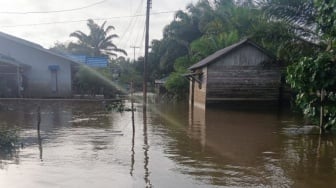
point(46, 22)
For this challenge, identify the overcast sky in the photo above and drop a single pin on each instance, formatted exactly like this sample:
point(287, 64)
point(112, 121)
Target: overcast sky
point(48, 21)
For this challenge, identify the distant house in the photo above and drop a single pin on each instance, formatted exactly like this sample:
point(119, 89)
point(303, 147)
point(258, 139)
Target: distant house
point(159, 85)
point(241, 72)
point(43, 73)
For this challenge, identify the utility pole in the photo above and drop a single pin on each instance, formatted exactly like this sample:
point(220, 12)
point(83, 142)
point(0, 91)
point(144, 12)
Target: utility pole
point(149, 3)
point(134, 47)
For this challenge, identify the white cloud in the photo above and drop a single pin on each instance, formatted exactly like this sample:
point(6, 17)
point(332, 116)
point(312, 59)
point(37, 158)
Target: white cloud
point(130, 29)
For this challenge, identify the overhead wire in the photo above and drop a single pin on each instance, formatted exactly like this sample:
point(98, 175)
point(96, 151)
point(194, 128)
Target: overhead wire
point(142, 40)
point(132, 21)
point(143, 23)
point(55, 11)
point(128, 31)
point(83, 20)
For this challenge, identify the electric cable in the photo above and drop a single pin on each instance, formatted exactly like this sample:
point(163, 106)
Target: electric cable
point(55, 11)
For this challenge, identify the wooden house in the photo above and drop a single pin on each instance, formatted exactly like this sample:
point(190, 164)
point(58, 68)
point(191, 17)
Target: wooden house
point(241, 72)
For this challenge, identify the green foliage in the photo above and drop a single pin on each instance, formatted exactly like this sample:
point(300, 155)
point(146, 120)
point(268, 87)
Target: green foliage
point(326, 17)
point(8, 139)
point(181, 64)
point(200, 31)
point(117, 106)
point(94, 81)
point(313, 77)
point(308, 78)
point(177, 85)
point(128, 72)
point(209, 44)
point(99, 41)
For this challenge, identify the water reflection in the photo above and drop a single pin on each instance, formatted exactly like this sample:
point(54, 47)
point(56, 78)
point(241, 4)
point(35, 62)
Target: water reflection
point(146, 149)
point(231, 149)
point(39, 140)
point(239, 135)
point(133, 142)
point(253, 150)
point(82, 145)
point(9, 157)
point(310, 160)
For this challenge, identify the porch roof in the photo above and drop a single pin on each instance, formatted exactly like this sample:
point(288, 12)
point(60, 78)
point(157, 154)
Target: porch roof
point(10, 60)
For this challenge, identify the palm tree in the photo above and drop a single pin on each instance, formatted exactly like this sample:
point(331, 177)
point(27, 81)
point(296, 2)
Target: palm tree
point(294, 23)
point(300, 15)
point(98, 42)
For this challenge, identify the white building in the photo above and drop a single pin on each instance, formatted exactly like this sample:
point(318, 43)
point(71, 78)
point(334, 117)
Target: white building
point(45, 74)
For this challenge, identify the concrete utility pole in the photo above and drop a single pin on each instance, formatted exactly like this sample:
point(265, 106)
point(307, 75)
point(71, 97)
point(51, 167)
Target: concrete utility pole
point(149, 3)
point(134, 47)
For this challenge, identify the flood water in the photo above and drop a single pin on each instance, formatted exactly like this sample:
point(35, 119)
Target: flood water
point(83, 145)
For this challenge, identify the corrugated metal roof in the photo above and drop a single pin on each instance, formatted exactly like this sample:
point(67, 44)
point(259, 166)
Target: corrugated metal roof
point(97, 61)
point(34, 45)
point(12, 61)
point(78, 58)
point(224, 51)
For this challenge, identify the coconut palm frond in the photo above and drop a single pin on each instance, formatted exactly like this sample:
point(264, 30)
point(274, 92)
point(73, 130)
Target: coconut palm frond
point(98, 42)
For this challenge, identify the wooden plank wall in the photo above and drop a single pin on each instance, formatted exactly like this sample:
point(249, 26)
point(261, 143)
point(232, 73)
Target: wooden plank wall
point(200, 92)
point(245, 74)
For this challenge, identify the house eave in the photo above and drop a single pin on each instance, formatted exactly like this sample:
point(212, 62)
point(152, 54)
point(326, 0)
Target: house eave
point(223, 52)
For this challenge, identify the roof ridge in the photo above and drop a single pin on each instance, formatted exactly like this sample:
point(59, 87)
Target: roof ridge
point(224, 51)
point(20, 40)
point(33, 45)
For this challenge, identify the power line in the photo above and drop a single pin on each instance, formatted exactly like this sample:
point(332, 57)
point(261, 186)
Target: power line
point(55, 11)
point(83, 20)
point(130, 24)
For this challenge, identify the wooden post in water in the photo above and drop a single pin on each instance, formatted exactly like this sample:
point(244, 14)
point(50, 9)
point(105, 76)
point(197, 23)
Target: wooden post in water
point(192, 95)
point(322, 111)
point(39, 139)
point(133, 128)
point(38, 119)
point(132, 106)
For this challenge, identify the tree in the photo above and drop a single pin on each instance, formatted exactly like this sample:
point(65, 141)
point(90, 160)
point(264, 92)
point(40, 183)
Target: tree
point(128, 72)
point(313, 77)
point(95, 81)
point(176, 84)
point(314, 80)
point(98, 42)
point(220, 25)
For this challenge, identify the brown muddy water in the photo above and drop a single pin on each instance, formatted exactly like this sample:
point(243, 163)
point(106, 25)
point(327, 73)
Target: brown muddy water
point(82, 145)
